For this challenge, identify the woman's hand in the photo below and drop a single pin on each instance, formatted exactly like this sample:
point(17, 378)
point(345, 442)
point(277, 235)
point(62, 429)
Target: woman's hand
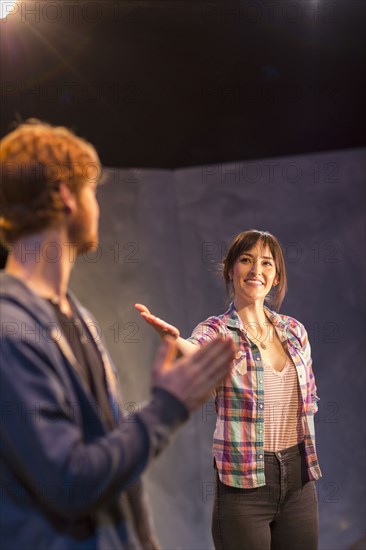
point(161, 327)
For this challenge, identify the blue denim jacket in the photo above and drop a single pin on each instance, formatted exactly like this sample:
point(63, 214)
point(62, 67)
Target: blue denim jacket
point(62, 472)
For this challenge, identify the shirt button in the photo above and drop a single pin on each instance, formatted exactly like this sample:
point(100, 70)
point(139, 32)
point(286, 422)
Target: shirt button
point(258, 359)
point(260, 456)
point(279, 454)
point(260, 381)
point(260, 431)
point(261, 406)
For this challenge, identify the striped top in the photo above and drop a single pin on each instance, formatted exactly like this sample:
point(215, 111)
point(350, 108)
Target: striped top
point(238, 446)
point(282, 408)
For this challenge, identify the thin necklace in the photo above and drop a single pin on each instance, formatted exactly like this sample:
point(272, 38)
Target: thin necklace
point(263, 346)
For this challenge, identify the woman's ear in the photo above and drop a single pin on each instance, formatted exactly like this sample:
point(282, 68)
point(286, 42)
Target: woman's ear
point(67, 197)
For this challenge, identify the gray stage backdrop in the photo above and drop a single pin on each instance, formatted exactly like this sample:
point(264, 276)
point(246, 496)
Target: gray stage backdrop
point(162, 236)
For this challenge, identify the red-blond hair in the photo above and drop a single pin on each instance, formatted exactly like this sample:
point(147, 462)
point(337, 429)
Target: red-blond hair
point(34, 159)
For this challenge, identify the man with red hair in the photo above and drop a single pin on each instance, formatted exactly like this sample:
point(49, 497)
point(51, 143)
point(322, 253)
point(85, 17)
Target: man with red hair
point(67, 456)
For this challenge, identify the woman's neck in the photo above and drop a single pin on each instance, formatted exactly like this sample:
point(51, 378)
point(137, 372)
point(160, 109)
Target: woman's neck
point(251, 314)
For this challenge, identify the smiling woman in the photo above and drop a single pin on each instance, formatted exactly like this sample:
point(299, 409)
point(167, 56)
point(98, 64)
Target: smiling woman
point(260, 256)
point(264, 443)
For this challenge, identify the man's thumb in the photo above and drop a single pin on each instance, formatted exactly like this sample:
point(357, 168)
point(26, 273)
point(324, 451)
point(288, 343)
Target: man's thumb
point(166, 354)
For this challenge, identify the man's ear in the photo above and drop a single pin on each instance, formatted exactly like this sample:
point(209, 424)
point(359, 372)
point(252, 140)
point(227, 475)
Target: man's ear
point(67, 197)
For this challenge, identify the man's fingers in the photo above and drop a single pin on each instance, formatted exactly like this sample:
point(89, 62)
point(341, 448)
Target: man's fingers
point(213, 358)
point(165, 356)
point(192, 378)
point(215, 348)
point(201, 372)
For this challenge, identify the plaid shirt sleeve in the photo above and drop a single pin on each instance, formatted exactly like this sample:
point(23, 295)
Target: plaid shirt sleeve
point(206, 331)
point(307, 353)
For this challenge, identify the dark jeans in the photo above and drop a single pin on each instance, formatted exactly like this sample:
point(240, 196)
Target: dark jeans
point(282, 515)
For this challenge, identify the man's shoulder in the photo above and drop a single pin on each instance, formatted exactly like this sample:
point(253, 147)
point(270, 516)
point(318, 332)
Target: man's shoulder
point(14, 303)
point(18, 301)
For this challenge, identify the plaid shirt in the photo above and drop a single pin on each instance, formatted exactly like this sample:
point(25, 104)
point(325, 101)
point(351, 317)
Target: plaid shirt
point(239, 435)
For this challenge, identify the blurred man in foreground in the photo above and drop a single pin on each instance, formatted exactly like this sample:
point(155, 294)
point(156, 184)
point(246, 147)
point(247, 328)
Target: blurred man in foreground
point(68, 458)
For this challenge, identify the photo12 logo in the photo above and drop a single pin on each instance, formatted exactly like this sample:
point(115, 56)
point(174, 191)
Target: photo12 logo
point(69, 11)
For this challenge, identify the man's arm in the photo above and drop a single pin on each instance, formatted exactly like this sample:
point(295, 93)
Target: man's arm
point(67, 474)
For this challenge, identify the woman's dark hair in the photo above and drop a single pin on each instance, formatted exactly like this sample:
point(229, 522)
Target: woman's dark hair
point(244, 242)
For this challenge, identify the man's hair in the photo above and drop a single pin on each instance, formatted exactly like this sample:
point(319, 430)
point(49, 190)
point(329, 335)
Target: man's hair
point(34, 159)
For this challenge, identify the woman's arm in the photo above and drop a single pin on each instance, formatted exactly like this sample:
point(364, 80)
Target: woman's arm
point(164, 329)
point(204, 332)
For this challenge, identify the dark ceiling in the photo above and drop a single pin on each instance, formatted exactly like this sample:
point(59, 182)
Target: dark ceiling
point(169, 84)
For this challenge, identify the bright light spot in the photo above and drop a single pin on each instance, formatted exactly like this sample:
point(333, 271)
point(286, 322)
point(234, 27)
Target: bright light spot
point(6, 7)
point(344, 524)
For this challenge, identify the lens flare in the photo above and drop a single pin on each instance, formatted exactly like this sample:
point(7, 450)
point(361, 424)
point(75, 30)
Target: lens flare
point(6, 6)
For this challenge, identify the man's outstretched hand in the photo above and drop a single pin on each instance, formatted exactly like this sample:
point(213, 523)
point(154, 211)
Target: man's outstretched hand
point(191, 379)
point(161, 327)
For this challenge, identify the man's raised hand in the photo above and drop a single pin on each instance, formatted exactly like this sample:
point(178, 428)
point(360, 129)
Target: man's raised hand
point(191, 379)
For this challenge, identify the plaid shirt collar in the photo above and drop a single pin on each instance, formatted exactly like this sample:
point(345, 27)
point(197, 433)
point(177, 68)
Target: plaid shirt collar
point(232, 319)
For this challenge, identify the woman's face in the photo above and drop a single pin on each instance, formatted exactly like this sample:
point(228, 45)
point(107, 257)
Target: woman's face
point(254, 274)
